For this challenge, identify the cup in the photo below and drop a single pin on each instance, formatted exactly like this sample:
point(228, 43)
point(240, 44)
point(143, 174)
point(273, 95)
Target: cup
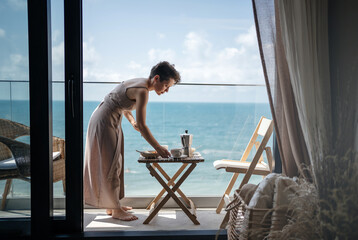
point(191, 151)
point(176, 152)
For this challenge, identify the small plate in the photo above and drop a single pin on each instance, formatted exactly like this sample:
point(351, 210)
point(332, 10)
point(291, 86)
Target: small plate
point(149, 154)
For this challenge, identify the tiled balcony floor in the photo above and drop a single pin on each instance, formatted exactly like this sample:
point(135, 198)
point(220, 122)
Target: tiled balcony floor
point(167, 219)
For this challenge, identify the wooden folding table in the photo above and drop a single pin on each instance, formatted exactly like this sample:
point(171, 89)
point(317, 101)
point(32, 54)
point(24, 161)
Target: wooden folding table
point(170, 186)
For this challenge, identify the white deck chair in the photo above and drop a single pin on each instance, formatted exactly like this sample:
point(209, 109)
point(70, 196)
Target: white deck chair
point(257, 166)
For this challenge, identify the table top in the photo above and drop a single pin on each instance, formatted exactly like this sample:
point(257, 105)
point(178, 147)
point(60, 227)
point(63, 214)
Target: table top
point(194, 159)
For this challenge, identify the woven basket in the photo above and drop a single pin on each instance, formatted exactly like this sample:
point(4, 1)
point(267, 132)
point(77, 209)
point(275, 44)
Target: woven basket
point(252, 223)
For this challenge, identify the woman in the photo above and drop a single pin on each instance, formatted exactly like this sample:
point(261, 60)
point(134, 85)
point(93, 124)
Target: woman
point(103, 168)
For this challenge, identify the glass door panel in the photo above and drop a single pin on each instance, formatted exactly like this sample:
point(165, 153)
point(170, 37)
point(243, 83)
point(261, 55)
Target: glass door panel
point(14, 110)
point(58, 106)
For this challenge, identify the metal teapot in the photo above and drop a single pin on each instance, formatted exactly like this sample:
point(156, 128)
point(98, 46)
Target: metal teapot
point(186, 141)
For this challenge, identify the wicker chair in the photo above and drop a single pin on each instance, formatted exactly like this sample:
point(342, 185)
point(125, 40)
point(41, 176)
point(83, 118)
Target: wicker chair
point(15, 156)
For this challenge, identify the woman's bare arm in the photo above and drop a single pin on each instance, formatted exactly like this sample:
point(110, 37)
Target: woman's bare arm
point(130, 118)
point(141, 102)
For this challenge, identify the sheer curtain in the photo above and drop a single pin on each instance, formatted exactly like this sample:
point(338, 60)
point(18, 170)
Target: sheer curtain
point(326, 98)
point(309, 53)
point(292, 147)
point(312, 86)
point(304, 28)
point(313, 97)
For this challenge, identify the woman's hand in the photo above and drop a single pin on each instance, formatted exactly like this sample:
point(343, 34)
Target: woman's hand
point(163, 152)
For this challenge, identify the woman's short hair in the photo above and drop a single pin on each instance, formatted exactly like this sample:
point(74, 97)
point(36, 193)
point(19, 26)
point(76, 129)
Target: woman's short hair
point(165, 70)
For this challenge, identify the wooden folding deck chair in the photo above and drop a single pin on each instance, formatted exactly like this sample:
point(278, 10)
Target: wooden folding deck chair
point(257, 166)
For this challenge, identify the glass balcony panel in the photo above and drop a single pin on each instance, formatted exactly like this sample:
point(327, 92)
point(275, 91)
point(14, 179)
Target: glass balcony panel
point(221, 118)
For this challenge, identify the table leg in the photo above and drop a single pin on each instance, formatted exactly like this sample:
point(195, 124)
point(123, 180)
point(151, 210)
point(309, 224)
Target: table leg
point(173, 179)
point(171, 193)
point(170, 183)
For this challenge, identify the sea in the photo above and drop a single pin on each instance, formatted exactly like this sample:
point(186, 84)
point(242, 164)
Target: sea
point(220, 131)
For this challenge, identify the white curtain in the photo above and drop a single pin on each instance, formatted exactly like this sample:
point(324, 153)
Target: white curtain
point(316, 60)
point(304, 27)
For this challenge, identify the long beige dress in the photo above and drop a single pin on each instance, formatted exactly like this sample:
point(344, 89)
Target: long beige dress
point(104, 163)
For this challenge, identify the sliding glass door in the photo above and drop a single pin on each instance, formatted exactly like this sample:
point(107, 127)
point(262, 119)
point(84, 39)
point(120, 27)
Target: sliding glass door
point(41, 117)
point(63, 213)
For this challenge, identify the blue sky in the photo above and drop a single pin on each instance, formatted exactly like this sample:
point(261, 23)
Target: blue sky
point(208, 41)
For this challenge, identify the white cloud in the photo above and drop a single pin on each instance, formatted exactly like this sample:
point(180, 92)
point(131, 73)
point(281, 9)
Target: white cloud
point(15, 68)
point(133, 65)
point(204, 63)
point(196, 46)
point(91, 69)
point(2, 32)
point(230, 53)
point(56, 34)
point(58, 54)
point(90, 74)
point(94, 69)
point(248, 39)
point(58, 62)
point(156, 55)
point(90, 55)
point(199, 60)
point(91, 59)
point(98, 70)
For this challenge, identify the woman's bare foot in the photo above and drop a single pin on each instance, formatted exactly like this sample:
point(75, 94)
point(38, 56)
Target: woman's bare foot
point(109, 211)
point(123, 215)
point(124, 208)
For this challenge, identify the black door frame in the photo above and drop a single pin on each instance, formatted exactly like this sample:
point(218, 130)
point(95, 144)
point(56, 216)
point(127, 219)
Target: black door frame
point(40, 77)
point(42, 219)
point(74, 114)
point(72, 223)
